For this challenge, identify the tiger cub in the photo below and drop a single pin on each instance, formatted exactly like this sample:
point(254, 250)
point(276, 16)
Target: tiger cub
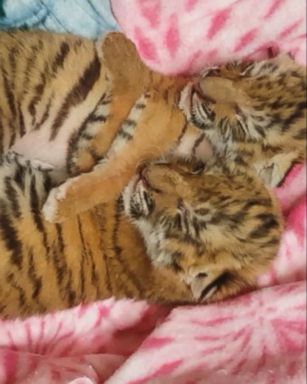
point(178, 234)
point(74, 103)
point(253, 113)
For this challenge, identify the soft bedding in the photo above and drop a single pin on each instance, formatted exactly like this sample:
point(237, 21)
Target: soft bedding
point(256, 338)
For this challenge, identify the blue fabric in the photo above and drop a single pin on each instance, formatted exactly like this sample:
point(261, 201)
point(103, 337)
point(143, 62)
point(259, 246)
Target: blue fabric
point(89, 18)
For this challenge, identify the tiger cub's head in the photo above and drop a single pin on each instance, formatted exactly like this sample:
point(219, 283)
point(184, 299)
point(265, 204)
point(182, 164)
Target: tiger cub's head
point(216, 229)
point(250, 102)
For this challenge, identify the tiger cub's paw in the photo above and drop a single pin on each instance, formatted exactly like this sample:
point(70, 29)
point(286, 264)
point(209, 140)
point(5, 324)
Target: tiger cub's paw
point(14, 157)
point(56, 208)
point(82, 161)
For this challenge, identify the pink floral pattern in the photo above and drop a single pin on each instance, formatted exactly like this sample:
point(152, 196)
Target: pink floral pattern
point(257, 338)
point(187, 35)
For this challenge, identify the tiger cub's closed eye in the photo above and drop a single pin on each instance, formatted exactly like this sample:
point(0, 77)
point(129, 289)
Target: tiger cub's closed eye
point(198, 168)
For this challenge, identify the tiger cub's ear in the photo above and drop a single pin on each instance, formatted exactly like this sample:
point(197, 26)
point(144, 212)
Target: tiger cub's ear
point(285, 60)
point(122, 59)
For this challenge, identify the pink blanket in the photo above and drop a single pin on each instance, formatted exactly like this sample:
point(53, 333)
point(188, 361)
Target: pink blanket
point(185, 35)
point(255, 338)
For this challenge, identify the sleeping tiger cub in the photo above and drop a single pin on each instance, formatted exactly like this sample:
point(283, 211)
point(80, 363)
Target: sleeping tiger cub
point(253, 113)
point(75, 103)
point(208, 233)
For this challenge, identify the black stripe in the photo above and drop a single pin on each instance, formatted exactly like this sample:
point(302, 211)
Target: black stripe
point(106, 101)
point(197, 143)
point(71, 167)
point(118, 250)
point(10, 278)
point(36, 206)
point(82, 133)
point(301, 134)
point(139, 106)
point(256, 202)
point(36, 281)
point(60, 57)
point(45, 114)
point(48, 184)
point(260, 130)
point(60, 240)
point(86, 136)
point(98, 119)
point(272, 242)
point(12, 64)
point(13, 135)
point(238, 217)
point(22, 127)
point(218, 282)
point(19, 116)
point(183, 238)
point(296, 115)
point(94, 275)
point(125, 135)
point(68, 289)
point(38, 94)
point(1, 136)
point(91, 118)
point(78, 93)
point(62, 271)
point(34, 51)
point(268, 222)
point(83, 256)
point(12, 196)
point(183, 131)
point(9, 92)
point(100, 223)
point(60, 267)
point(10, 236)
point(19, 177)
point(35, 202)
point(129, 123)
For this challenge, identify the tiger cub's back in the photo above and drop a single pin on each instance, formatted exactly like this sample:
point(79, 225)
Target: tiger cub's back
point(49, 84)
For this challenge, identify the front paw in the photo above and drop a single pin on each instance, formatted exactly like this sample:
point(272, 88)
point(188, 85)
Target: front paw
point(14, 157)
point(57, 207)
point(82, 161)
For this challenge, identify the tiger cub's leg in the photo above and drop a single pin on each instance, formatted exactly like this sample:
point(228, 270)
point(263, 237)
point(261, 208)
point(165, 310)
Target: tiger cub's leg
point(93, 140)
point(150, 131)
